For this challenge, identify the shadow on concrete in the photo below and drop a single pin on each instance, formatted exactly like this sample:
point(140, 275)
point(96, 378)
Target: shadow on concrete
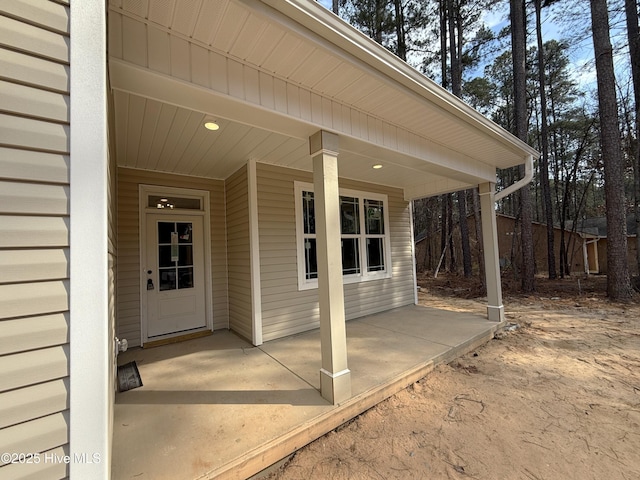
point(300, 397)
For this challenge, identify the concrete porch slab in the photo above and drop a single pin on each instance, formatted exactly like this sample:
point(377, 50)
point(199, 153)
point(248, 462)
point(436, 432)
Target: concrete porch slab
point(217, 407)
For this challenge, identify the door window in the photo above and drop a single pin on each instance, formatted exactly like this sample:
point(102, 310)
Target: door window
point(172, 202)
point(175, 255)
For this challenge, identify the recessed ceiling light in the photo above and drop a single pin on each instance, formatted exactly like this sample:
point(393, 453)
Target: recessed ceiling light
point(377, 166)
point(211, 124)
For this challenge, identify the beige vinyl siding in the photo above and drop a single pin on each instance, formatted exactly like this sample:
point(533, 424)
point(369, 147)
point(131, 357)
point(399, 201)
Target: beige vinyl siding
point(285, 309)
point(34, 332)
point(35, 436)
point(34, 239)
point(128, 246)
point(240, 312)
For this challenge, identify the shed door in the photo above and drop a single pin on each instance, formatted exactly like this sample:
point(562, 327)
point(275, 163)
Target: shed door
point(175, 284)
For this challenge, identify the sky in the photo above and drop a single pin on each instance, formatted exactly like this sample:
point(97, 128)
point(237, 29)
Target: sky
point(581, 52)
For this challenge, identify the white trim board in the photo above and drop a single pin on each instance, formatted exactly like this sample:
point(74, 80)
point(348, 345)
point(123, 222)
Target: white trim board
point(92, 352)
point(254, 253)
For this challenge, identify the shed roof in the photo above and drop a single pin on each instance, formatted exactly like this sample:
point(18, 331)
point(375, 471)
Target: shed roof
point(598, 225)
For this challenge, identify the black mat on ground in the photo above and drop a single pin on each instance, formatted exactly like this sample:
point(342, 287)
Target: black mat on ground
point(128, 377)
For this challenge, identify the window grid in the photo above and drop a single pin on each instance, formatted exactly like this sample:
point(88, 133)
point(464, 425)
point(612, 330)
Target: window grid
point(175, 261)
point(362, 226)
point(374, 232)
point(309, 233)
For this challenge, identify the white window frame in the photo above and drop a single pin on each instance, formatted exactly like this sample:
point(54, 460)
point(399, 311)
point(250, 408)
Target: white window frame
point(364, 275)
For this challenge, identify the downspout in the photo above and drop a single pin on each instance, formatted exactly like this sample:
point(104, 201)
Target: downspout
point(528, 175)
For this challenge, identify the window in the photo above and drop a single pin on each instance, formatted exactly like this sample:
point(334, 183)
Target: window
point(171, 202)
point(364, 230)
point(175, 255)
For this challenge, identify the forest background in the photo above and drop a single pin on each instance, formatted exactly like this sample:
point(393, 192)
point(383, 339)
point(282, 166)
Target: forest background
point(563, 76)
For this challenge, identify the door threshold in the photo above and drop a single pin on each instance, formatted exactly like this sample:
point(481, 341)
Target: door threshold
point(177, 338)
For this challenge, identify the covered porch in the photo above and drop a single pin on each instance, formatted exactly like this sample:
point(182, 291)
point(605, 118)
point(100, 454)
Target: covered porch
point(248, 116)
point(218, 407)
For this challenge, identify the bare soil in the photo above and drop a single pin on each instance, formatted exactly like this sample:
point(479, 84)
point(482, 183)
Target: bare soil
point(554, 396)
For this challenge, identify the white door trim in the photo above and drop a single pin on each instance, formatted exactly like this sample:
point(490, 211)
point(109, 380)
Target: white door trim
point(143, 192)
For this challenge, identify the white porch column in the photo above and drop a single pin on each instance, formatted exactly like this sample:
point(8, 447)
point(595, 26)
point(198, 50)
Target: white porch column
point(495, 309)
point(335, 377)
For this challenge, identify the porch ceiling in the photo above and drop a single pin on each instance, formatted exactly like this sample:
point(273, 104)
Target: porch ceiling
point(428, 141)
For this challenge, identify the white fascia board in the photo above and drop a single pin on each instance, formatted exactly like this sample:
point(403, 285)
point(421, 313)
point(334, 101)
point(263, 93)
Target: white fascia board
point(324, 23)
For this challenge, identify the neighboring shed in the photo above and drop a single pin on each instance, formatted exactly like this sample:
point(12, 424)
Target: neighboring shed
point(584, 246)
point(598, 225)
point(123, 215)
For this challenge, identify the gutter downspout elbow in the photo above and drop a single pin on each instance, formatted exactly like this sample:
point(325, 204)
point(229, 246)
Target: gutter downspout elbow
point(528, 175)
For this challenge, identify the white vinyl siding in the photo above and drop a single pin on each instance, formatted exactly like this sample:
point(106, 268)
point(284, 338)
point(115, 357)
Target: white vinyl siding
point(128, 247)
point(34, 239)
point(285, 309)
point(238, 245)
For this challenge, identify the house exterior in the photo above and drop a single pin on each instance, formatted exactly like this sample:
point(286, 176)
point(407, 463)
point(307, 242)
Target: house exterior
point(125, 218)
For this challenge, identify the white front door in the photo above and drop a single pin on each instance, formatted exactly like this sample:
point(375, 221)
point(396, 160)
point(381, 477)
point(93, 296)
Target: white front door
point(175, 278)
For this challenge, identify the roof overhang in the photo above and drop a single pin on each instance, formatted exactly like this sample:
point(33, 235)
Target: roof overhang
point(274, 72)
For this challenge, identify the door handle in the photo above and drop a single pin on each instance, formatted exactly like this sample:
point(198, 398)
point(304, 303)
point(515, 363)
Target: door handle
point(150, 284)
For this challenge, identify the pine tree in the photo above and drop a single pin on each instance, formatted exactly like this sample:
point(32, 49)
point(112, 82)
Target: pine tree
point(518, 48)
point(618, 281)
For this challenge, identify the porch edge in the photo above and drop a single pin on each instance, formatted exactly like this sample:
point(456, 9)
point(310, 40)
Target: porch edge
point(262, 458)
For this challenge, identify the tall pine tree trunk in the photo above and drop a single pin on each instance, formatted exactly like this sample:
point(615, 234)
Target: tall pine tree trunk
point(467, 265)
point(442, 11)
point(400, 30)
point(544, 160)
point(618, 281)
point(455, 34)
point(518, 49)
point(453, 263)
point(444, 231)
point(456, 61)
point(633, 34)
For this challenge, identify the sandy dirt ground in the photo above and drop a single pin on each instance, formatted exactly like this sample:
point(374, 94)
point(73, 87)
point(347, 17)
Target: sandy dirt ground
point(555, 396)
